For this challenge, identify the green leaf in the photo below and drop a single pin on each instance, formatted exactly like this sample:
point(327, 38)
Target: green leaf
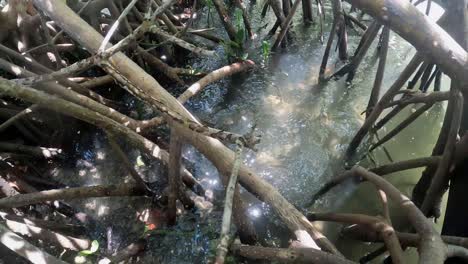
point(239, 18)
point(209, 4)
point(146, 230)
point(265, 49)
point(94, 248)
point(240, 35)
point(139, 161)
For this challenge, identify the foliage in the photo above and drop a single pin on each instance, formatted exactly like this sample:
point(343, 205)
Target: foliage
point(81, 257)
point(93, 249)
point(235, 49)
point(209, 17)
point(194, 71)
point(240, 27)
point(140, 162)
point(266, 50)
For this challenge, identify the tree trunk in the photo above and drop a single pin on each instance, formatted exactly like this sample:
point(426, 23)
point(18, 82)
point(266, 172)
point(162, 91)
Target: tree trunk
point(338, 15)
point(307, 11)
point(456, 214)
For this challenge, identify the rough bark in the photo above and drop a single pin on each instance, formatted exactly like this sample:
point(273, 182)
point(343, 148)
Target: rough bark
point(160, 65)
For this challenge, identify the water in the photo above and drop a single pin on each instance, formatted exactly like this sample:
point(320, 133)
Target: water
point(305, 128)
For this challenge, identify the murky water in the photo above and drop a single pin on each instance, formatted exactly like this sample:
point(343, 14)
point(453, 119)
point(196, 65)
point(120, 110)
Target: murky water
point(305, 128)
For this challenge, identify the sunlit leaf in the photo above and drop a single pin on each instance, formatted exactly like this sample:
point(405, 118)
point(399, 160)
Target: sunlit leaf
point(239, 18)
point(139, 161)
point(94, 248)
point(79, 259)
point(265, 49)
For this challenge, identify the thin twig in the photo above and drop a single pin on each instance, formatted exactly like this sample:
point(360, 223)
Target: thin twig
point(181, 43)
point(374, 97)
point(379, 107)
point(70, 193)
point(128, 165)
point(101, 56)
point(175, 152)
point(214, 76)
point(382, 170)
point(419, 97)
point(230, 188)
point(116, 25)
point(382, 227)
point(26, 250)
point(410, 119)
point(58, 60)
point(285, 24)
point(431, 248)
point(288, 255)
point(16, 117)
point(55, 38)
point(326, 54)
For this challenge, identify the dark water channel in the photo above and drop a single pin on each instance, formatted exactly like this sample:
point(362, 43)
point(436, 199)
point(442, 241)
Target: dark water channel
point(305, 128)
